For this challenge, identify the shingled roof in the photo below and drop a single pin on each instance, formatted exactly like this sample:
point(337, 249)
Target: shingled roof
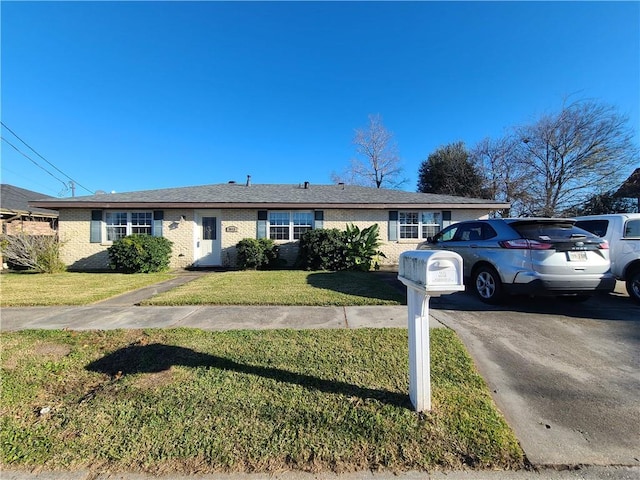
point(235, 195)
point(15, 201)
point(631, 186)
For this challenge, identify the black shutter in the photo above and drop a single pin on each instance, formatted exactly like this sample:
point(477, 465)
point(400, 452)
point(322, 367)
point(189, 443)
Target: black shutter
point(262, 224)
point(393, 225)
point(95, 235)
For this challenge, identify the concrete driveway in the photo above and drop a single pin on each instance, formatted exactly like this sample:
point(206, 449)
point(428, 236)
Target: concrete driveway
point(565, 375)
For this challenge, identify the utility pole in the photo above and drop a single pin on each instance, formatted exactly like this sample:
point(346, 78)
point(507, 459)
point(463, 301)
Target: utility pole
point(73, 188)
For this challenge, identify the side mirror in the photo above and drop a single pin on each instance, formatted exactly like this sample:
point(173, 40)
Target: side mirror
point(430, 240)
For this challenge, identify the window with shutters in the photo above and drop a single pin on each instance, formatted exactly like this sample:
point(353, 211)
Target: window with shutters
point(289, 225)
point(419, 225)
point(120, 224)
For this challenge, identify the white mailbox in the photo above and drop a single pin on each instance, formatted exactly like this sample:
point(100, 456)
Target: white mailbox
point(436, 272)
point(426, 273)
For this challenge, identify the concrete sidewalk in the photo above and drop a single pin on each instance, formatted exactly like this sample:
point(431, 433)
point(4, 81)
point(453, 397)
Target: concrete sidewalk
point(105, 317)
point(578, 473)
point(123, 312)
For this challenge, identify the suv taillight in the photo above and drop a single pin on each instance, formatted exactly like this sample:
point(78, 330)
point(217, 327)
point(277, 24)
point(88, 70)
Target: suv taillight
point(525, 244)
point(604, 245)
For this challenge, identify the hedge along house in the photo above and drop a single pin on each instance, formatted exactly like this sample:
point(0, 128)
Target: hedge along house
point(206, 222)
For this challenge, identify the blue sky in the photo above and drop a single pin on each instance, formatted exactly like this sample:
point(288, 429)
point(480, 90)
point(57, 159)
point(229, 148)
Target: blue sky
point(124, 96)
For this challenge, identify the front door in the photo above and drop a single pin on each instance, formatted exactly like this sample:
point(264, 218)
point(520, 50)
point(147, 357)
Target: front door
point(207, 238)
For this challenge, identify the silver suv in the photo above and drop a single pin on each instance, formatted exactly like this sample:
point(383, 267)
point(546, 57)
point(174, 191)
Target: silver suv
point(532, 256)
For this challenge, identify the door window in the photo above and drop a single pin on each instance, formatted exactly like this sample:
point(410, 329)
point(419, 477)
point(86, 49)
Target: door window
point(209, 231)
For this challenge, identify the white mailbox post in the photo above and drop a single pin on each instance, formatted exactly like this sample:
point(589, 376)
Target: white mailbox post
point(426, 273)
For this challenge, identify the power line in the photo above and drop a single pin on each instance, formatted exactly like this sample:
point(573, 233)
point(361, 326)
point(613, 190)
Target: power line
point(32, 160)
point(30, 179)
point(33, 150)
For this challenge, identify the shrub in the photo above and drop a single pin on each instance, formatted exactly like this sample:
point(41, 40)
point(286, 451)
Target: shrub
point(257, 254)
point(333, 249)
point(322, 250)
point(363, 247)
point(35, 252)
point(140, 253)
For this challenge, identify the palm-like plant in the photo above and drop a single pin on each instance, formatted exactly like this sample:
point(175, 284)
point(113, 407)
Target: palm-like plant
point(363, 247)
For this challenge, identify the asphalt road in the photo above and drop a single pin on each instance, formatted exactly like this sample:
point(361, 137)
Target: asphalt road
point(565, 375)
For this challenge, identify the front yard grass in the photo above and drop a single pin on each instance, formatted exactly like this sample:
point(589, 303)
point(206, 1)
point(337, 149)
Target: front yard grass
point(283, 287)
point(69, 288)
point(190, 401)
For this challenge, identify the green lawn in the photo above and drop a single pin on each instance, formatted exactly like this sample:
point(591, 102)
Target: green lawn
point(33, 289)
point(188, 401)
point(283, 287)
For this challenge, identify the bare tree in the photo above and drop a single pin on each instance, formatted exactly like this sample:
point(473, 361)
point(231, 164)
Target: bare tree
point(502, 179)
point(567, 156)
point(378, 163)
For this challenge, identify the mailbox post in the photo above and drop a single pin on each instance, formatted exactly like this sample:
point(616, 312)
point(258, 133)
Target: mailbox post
point(426, 273)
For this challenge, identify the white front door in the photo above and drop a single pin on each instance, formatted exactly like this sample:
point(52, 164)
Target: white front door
point(207, 238)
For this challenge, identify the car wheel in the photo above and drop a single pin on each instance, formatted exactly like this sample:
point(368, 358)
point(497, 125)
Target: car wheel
point(633, 285)
point(488, 285)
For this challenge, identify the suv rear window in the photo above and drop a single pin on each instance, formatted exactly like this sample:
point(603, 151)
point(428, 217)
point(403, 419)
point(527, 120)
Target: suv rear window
point(549, 231)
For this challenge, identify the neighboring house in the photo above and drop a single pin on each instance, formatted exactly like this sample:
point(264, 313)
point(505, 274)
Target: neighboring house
point(17, 216)
point(206, 222)
point(631, 188)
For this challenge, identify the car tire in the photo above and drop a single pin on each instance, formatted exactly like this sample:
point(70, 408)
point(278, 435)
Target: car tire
point(633, 285)
point(487, 285)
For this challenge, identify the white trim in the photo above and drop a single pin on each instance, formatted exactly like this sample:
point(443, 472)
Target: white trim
point(290, 226)
point(128, 226)
point(420, 225)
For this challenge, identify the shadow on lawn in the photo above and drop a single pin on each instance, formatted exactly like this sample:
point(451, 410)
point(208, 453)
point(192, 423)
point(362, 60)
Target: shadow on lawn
point(377, 285)
point(157, 357)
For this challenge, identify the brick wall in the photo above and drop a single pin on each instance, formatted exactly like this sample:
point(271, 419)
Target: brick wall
point(78, 253)
point(30, 226)
point(179, 227)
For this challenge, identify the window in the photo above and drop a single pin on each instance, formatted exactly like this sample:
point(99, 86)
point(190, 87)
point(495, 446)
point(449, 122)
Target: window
point(116, 225)
point(121, 224)
point(430, 223)
point(302, 222)
point(597, 227)
point(289, 225)
point(632, 229)
point(141, 222)
point(419, 225)
point(448, 234)
point(409, 225)
point(279, 225)
point(209, 230)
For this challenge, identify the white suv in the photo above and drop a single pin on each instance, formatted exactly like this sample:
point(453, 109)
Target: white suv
point(622, 231)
